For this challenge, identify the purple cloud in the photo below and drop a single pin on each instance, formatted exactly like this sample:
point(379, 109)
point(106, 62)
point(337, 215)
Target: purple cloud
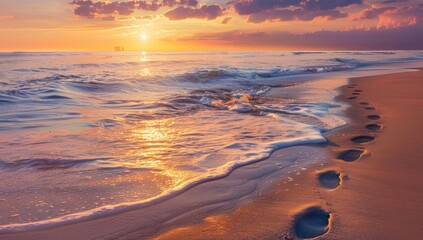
point(358, 39)
point(295, 15)
point(208, 12)
point(91, 9)
point(394, 1)
point(289, 10)
point(328, 4)
point(255, 6)
point(172, 3)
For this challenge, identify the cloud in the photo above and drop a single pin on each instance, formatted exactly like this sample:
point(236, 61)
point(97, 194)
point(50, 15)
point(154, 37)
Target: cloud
point(208, 12)
point(226, 20)
point(357, 39)
point(257, 11)
point(392, 17)
point(394, 1)
point(98, 9)
point(108, 18)
point(7, 17)
point(401, 16)
point(146, 17)
point(291, 10)
point(247, 7)
point(172, 3)
point(90, 9)
point(371, 13)
point(243, 7)
point(329, 4)
point(295, 15)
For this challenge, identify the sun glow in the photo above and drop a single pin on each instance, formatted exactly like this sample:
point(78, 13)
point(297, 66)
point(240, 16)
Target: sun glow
point(143, 37)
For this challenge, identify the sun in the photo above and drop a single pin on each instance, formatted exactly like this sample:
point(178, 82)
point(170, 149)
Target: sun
point(143, 37)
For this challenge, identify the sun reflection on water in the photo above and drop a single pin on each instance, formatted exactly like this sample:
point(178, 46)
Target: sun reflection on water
point(160, 130)
point(152, 146)
point(144, 57)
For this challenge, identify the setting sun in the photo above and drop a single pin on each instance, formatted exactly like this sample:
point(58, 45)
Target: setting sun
point(143, 37)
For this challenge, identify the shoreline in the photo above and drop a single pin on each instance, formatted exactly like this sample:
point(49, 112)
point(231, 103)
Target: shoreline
point(374, 199)
point(271, 212)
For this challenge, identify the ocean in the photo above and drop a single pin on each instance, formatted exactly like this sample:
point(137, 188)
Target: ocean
point(88, 134)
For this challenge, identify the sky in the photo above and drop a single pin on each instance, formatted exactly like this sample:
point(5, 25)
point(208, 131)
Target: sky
point(210, 25)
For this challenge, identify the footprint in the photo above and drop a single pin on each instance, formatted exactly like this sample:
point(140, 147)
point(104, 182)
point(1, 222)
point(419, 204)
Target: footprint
point(350, 155)
point(311, 222)
point(358, 90)
point(352, 97)
point(370, 108)
point(373, 117)
point(364, 103)
point(374, 127)
point(355, 93)
point(330, 179)
point(362, 139)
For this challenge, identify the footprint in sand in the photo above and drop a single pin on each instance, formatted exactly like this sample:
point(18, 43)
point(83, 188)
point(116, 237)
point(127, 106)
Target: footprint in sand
point(329, 179)
point(373, 117)
point(352, 97)
point(355, 93)
point(363, 103)
point(350, 155)
point(370, 108)
point(311, 222)
point(358, 90)
point(374, 127)
point(362, 139)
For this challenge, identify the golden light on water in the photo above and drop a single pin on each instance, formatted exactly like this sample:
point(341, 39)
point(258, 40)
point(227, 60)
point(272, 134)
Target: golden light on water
point(144, 57)
point(153, 142)
point(155, 131)
point(145, 72)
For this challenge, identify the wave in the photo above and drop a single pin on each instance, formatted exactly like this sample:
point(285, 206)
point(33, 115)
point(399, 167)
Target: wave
point(46, 164)
point(209, 75)
point(314, 137)
point(42, 54)
point(306, 53)
point(205, 76)
point(369, 53)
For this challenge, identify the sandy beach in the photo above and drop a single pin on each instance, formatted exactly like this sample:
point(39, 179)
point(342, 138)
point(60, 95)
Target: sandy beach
point(380, 193)
point(369, 189)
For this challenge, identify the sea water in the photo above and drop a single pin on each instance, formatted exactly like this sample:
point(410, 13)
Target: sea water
point(84, 134)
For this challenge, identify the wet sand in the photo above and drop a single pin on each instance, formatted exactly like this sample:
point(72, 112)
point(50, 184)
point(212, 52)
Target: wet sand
point(369, 189)
point(377, 161)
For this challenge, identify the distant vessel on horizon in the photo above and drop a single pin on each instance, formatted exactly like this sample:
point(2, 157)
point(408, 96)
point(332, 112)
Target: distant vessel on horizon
point(119, 49)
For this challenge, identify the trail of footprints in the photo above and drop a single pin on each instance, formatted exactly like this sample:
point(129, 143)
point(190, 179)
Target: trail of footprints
point(315, 221)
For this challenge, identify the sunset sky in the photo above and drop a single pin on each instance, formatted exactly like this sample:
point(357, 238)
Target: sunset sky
point(91, 25)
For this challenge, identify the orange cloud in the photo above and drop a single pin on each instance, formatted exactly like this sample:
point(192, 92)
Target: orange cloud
point(403, 16)
point(392, 17)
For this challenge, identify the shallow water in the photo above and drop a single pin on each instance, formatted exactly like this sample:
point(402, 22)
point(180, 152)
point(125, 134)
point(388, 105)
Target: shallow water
point(85, 133)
